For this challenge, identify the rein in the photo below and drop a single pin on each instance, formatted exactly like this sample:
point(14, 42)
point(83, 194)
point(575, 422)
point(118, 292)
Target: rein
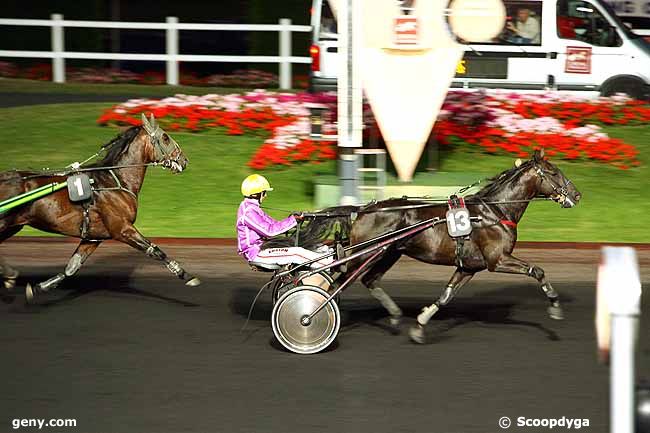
point(434, 203)
point(56, 173)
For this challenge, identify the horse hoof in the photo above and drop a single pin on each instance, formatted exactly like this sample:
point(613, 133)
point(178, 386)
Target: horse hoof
point(29, 293)
point(10, 283)
point(417, 334)
point(555, 312)
point(394, 324)
point(193, 282)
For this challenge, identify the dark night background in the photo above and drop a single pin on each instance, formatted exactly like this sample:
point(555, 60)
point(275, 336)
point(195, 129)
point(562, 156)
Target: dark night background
point(153, 41)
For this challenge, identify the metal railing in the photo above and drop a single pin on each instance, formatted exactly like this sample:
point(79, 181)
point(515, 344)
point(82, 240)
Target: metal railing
point(172, 57)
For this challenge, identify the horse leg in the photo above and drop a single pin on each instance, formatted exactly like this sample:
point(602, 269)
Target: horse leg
point(371, 280)
point(81, 254)
point(9, 275)
point(512, 265)
point(131, 236)
point(458, 280)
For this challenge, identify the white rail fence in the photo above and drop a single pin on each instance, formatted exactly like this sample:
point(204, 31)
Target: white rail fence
point(172, 57)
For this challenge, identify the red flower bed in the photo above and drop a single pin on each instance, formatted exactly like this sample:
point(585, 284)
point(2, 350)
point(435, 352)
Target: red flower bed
point(280, 118)
point(521, 144)
point(492, 123)
point(574, 114)
point(305, 151)
point(195, 119)
point(243, 78)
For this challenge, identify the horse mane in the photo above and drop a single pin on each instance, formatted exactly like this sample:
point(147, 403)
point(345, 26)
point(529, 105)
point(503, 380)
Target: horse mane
point(317, 231)
point(497, 183)
point(117, 146)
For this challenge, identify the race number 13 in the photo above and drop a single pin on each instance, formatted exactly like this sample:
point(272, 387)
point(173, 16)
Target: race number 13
point(458, 222)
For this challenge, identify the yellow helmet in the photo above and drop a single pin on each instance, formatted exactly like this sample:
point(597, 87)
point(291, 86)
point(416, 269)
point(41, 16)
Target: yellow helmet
point(254, 184)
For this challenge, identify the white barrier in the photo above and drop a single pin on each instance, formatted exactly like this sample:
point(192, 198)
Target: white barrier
point(58, 54)
point(617, 317)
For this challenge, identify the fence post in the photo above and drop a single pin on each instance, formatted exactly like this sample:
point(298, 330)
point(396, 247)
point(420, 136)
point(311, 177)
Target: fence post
point(58, 61)
point(285, 51)
point(172, 50)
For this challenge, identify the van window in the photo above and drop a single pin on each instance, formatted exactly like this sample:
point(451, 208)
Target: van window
point(523, 25)
point(328, 26)
point(581, 21)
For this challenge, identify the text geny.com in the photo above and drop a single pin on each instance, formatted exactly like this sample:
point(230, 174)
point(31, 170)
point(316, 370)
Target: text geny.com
point(40, 423)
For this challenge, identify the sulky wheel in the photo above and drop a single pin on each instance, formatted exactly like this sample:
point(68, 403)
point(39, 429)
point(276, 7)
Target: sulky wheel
point(322, 279)
point(288, 320)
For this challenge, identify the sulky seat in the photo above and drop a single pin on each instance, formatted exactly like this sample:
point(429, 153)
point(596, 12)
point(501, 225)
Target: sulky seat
point(264, 267)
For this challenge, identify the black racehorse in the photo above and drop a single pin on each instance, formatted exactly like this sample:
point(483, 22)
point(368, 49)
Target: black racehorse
point(500, 204)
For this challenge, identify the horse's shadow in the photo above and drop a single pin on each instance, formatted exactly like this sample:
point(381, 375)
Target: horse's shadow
point(87, 282)
point(493, 308)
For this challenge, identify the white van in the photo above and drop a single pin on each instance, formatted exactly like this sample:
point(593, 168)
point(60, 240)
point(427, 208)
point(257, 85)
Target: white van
point(580, 45)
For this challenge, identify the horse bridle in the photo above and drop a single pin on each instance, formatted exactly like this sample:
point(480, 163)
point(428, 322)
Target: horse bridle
point(163, 152)
point(558, 188)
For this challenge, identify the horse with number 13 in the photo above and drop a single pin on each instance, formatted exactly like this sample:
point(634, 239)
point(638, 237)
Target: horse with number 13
point(480, 234)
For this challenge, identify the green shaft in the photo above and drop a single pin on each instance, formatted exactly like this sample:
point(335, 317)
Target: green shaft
point(31, 196)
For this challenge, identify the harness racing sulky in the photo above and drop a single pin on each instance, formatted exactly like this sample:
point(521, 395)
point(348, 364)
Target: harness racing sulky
point(91, 201)
point(471, 233)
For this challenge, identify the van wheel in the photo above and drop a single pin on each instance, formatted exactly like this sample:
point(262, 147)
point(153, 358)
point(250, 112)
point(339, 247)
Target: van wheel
point(632, 86)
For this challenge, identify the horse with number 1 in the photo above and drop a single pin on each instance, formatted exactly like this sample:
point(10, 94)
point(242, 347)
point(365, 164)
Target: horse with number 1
point(94, 202)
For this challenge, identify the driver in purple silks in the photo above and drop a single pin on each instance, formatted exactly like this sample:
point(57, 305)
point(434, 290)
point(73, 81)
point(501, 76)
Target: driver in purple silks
point(254, 226)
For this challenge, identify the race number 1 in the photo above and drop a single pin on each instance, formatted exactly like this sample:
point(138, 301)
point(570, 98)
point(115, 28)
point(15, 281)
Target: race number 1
point(79, 188)
point(458, 222)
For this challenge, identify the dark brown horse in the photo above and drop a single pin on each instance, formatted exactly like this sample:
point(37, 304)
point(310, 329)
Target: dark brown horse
point(500, 204)
point(111, 211)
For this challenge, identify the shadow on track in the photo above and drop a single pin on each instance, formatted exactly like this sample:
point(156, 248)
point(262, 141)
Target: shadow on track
point(120, 281)
point(491, 308)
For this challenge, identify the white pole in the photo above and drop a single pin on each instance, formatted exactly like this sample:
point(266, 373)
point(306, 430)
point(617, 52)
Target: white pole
point(619, 286)
point(349, 100)
point(58, 61)
point(285, 52)
point(172, 50)
point(622, 373)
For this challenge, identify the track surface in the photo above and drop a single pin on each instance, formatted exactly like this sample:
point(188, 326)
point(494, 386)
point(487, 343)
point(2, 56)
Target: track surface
point(124, 347)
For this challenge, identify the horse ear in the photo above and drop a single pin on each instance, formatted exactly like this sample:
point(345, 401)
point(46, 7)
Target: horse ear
point(145, 123)
point(153, 122)
point(539, 154)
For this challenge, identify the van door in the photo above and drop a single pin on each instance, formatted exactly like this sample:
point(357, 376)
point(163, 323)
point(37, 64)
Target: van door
point(324, 48)
point(516, 59)
point(590, 47)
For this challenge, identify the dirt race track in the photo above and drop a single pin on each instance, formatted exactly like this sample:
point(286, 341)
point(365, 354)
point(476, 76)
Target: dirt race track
point(124, 347)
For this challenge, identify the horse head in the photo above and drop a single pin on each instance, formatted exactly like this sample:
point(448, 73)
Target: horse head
point(166, 150)
point(552, 183)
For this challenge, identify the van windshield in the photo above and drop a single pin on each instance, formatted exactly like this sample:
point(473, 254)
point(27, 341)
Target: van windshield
point(328, 28)
point(620, 24)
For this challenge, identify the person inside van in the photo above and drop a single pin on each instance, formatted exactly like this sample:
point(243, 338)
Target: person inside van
point(526, 31)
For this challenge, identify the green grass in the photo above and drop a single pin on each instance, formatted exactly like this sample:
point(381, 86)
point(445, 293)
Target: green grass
point(11, 85)
point(203, 200)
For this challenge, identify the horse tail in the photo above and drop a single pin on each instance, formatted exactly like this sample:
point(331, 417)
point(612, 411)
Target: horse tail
point(328, 225)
